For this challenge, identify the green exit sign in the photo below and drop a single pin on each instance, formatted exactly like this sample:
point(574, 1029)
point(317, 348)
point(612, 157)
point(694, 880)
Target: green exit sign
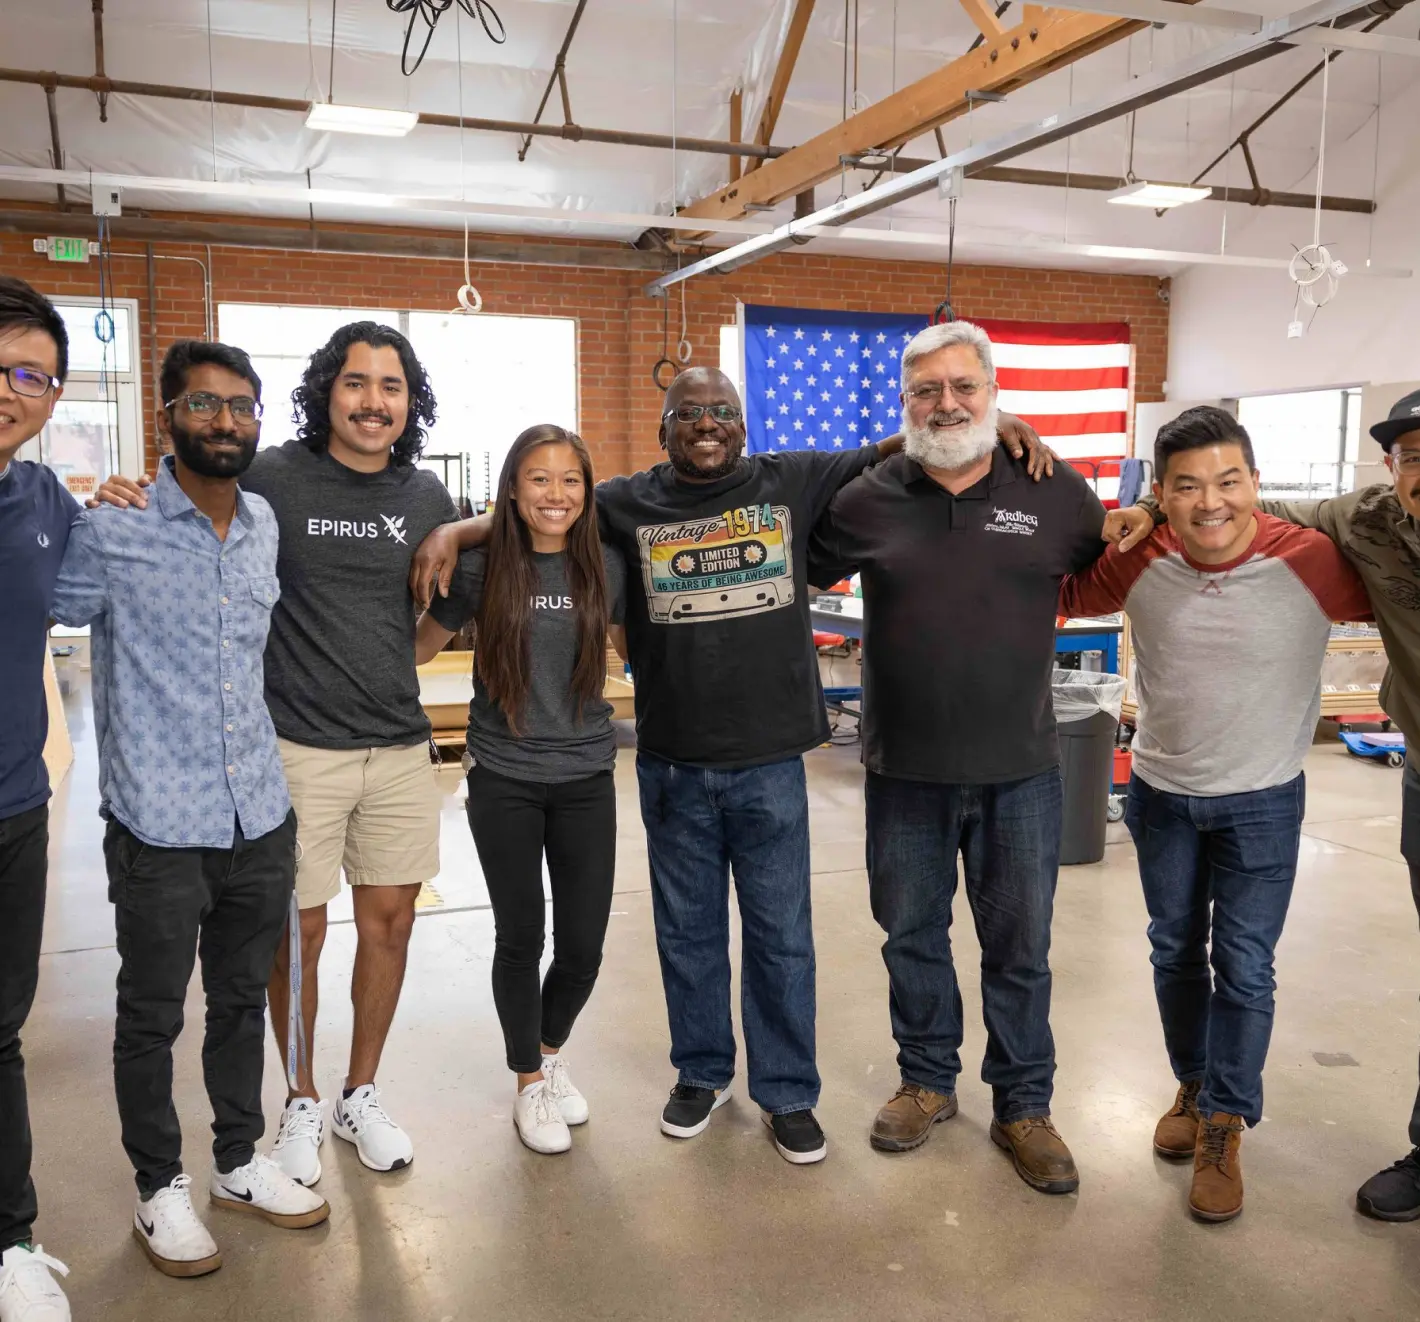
point(68, 250)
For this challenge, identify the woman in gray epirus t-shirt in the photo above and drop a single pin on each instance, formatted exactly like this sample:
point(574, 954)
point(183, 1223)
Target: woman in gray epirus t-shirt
point(544, 597)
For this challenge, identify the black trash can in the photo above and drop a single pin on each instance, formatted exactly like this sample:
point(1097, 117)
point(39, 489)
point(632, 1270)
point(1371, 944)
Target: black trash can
point(1087, 706)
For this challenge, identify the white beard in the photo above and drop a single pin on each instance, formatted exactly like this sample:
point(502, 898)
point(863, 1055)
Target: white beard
point(951, 453)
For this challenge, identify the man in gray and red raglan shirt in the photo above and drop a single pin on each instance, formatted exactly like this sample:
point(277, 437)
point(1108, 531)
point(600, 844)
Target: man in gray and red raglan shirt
point(1230, 611)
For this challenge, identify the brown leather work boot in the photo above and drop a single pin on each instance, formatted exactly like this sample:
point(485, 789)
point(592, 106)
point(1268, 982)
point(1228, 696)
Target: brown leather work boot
point(1041, 1157)
point(1217, 1193)
point(1176, 1134)
point(905, 1122)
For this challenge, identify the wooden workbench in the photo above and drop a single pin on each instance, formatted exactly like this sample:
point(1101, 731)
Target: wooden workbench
point(446, 685)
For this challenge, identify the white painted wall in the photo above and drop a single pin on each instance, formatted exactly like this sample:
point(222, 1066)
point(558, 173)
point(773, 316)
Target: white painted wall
point(1228, 326)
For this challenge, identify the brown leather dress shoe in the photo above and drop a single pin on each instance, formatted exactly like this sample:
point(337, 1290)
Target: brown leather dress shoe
point(905, 1122)
point(1217, 1193)
point(1176, 1134)
point(1041, 1157)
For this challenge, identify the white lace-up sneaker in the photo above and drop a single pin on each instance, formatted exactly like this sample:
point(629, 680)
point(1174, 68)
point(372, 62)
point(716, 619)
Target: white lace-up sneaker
point(28, 1293)
point(298, 1140)
point(172, 1234)
point(540, 1123)
point(262, 1187)
point(361, 1120)
point(564, 1092)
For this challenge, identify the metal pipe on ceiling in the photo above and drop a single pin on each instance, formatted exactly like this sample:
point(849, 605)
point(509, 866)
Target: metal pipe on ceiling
point(99, 70)
point(570, 132)
point(56, 152)
point(559, 75)
point(351, 243)
point(1107, 183)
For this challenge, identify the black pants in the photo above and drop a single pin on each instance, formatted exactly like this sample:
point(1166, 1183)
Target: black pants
point(171, 905)
point(24, 840)
point(1410, 850)
point(514, 823)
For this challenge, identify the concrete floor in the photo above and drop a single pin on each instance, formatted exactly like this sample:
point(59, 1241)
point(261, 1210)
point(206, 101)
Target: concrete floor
point(633, 1225)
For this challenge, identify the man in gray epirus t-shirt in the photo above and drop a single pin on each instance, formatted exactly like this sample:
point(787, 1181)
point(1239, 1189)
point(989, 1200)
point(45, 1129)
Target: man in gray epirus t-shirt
point(340, 682)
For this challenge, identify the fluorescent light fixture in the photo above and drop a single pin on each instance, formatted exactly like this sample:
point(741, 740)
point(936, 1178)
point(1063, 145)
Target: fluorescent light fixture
point(327, 118)
point(1157, 196)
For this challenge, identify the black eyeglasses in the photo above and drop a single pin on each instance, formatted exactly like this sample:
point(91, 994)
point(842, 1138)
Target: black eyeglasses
point(26, 381)
point(694, 412)
point(206, 406)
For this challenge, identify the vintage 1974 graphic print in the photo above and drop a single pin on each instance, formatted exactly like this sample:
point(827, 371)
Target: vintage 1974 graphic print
point(735, 563)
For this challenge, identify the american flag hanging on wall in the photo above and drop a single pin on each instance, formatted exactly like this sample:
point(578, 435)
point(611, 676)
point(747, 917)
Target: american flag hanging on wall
point(830, 380)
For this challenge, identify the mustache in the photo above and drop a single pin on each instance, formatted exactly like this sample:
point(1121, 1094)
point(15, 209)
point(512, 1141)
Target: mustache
point(372, 416)
point(948, 417)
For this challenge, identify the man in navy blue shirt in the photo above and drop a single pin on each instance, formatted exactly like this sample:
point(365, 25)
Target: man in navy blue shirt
point(35, 515)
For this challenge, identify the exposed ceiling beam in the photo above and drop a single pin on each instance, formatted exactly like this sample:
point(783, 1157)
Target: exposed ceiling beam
point(1168, 11)
point(1046, 40)
point(984, 16)
point(571, 132)
point(1216, 62)
point(1205, 15)
point(783, 72)
point(292, 238)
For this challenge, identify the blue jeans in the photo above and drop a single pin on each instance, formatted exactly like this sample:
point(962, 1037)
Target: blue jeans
point(1225, 863)
point(701, 824)
point(1009, 839)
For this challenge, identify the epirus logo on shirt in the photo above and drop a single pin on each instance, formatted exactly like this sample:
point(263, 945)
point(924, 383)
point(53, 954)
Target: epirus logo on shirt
point(1014, 521)
point(394, 527)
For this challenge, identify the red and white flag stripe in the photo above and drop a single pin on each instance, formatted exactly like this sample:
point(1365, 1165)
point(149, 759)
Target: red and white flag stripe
point(1071, 383)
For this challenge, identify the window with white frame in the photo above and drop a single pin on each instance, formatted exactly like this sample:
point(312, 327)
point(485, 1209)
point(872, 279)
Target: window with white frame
point(97, 426)
point(493, 376)
point(1305, 442)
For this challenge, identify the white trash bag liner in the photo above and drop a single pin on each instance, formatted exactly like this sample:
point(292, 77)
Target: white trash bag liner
point(1080, 694)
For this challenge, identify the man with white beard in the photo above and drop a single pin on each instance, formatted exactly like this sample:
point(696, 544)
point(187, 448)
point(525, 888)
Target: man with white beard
point(961, 557)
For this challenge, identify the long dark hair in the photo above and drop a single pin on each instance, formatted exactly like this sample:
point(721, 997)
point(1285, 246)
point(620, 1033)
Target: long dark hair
point(311, 399)
point(501, 653)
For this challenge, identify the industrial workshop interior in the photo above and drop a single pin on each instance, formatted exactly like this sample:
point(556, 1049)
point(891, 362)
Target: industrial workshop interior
point(549, 548)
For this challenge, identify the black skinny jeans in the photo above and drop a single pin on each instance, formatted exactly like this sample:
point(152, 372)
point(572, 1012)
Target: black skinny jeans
point(24, 842)
point(514, 822)
point(228, 906)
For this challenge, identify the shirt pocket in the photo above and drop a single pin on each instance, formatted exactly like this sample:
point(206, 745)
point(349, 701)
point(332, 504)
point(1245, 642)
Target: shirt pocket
point(265, 591)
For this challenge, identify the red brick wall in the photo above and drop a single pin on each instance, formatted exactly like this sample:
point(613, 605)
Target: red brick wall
point(619, 329)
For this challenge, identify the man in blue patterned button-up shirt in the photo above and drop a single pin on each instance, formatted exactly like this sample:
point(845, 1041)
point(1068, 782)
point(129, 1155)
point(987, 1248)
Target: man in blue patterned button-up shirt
point(186, 744)
point(201, 840)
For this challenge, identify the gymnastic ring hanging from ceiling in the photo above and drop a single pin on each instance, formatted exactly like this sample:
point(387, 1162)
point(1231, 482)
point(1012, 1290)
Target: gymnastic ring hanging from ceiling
point(656, 373)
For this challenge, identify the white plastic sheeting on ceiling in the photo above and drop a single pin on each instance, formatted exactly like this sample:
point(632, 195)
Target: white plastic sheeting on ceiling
point(663, 66)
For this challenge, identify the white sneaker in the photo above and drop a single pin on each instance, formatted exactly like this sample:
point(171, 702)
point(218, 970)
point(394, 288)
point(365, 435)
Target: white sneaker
point(564, 1092)
point(262, 1187)
point(172, 1234)
point(361, 1120)
point(298, 1140)
point(28, 1293)
point(540, 1123)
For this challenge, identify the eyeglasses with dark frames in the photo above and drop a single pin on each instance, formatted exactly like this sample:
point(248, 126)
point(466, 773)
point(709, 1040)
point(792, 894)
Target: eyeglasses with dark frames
point(206, 406)
point(694, 412)
point(30, 383)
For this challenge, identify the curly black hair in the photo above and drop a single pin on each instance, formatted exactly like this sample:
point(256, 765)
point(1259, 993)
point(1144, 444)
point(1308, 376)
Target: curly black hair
point(311, 399)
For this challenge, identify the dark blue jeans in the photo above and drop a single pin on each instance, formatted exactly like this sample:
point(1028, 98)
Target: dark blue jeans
point(1009, 839)
point(700, 825)
point(1224, 864)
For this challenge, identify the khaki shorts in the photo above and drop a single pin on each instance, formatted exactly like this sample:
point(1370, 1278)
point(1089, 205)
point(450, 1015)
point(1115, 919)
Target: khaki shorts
point(372, 811)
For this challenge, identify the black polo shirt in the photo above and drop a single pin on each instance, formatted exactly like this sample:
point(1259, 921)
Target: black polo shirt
point(959, 596)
